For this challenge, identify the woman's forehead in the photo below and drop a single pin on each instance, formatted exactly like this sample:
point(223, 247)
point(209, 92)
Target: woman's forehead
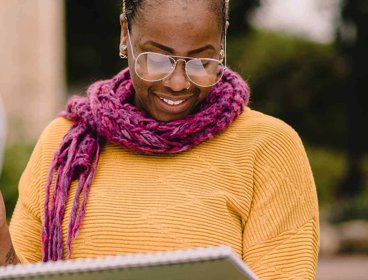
point(179, 40)
point(180, 15)
point(179, 29)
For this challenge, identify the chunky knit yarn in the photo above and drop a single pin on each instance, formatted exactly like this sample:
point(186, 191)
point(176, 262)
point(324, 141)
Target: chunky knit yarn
point(106, 115)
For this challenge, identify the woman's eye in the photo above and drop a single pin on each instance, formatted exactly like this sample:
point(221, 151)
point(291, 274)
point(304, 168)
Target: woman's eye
point(199, 65)
point(158, 62)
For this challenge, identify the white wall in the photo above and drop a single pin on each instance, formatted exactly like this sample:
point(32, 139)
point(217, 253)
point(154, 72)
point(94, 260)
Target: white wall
point(32, 78)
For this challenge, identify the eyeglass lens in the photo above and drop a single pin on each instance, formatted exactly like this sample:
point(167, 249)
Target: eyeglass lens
point(156, 67)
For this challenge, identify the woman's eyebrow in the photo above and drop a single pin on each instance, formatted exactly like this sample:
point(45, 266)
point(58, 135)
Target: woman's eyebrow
point(172, 51)
point(205, 48)
point(158, 45)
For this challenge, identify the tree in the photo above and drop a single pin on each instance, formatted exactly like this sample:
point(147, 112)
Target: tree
point(239, 11)
point(352, 37)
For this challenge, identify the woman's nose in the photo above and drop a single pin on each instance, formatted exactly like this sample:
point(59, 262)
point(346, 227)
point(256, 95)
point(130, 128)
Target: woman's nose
point(178, 80)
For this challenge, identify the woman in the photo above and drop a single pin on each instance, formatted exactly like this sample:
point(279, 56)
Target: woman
point(167, 155)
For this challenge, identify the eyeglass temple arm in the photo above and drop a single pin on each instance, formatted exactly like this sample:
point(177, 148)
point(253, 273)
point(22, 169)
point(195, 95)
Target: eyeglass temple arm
point(130, 42)
point(225, 51)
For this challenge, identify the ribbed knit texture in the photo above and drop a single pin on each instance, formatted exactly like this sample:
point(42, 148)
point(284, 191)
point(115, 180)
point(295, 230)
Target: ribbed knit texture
point(250, 187)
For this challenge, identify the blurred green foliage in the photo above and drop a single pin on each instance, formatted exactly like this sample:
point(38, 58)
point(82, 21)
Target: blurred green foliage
point(296, 80)
point(346, 208)
point(15, 160)
point(327, 167)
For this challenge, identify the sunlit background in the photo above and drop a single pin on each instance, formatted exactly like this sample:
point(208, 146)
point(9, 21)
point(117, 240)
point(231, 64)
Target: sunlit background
point(306, 62)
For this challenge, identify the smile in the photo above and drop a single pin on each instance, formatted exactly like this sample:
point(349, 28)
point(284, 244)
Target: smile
point(172, 102)
point(174, 105)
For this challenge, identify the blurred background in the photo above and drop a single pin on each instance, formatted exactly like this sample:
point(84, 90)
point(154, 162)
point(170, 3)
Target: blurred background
point(306, 62)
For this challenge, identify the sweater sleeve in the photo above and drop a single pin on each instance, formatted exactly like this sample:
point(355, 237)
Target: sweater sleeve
point(281, 235)
point(26, 222)
point(25, 225)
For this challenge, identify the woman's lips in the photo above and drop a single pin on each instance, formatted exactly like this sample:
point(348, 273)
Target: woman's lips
point(173, 109)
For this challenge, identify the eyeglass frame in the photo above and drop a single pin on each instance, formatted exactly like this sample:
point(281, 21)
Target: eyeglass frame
point(177, 58)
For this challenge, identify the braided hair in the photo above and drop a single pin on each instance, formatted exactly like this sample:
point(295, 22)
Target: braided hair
point(131, 8)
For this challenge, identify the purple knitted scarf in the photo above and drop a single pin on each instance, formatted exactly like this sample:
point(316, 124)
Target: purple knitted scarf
point(106, 115)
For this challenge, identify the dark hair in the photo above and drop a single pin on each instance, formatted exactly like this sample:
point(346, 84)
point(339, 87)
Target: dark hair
point(132, 7)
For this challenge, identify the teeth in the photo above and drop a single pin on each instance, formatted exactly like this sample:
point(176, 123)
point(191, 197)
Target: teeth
point(171, 102)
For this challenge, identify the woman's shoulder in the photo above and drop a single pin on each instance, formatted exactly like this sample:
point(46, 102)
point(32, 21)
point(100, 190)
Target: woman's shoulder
point(256, 120)
point(55, 131)
point(261, 133)
point(53, 134)
point(261, 126)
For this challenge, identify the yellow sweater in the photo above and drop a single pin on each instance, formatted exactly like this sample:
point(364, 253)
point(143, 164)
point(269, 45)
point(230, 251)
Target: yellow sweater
point(250, 187)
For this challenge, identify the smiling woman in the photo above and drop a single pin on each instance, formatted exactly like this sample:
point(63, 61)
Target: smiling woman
point(168, 155)
point(180, 33)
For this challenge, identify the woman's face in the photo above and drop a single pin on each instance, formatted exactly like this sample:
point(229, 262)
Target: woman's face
point(178, 29)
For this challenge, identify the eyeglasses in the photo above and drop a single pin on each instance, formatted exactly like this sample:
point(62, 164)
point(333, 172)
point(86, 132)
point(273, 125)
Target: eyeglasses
point(154, 67)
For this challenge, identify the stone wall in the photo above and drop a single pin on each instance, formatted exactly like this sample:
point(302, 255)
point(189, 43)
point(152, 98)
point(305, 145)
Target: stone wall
point(32, 78)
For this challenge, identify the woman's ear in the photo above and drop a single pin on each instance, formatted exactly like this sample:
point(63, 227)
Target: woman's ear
point(123, 35)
